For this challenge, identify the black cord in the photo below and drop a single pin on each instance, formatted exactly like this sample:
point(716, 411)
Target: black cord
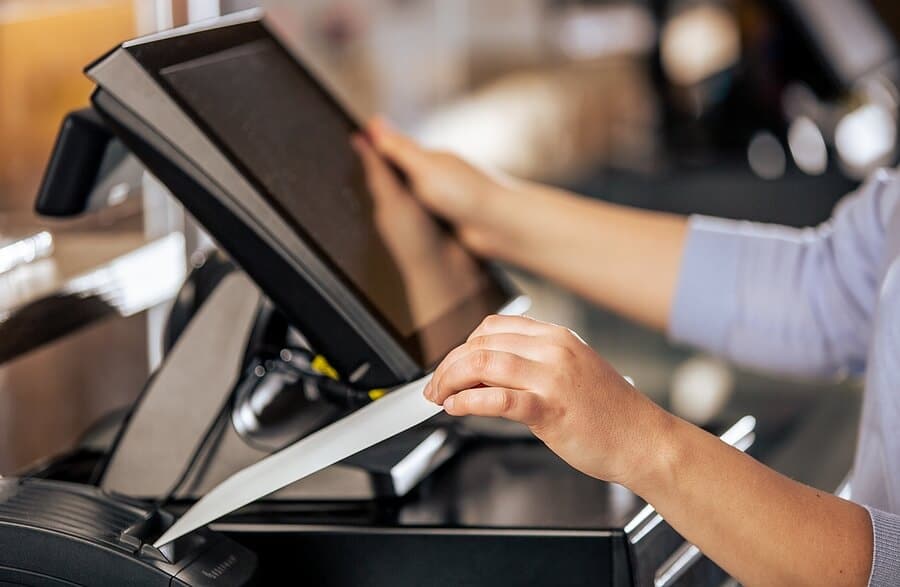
point(330, 390)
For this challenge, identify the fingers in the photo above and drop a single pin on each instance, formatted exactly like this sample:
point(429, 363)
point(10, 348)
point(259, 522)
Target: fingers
point(504, 351)
point(529, 347)
point(397, 147)
point(382, 181)
point(517, 325)
point(486, 368)
point(497, 402)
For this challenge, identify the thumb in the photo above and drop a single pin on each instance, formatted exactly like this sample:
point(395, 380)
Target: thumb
point(400, 149)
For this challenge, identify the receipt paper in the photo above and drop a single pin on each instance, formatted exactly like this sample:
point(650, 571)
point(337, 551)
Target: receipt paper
point(394, 413)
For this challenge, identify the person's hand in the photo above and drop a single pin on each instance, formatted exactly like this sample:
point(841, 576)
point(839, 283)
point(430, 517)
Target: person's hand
point(434, 268)
point(413, 236)
point(547, 378)
point(450, 187)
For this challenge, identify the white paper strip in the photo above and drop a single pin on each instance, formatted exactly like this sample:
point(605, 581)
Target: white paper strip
point(396, 412)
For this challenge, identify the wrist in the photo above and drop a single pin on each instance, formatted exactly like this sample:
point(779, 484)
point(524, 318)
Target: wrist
point(659, 452)
point(502, 227)
point(489, 230)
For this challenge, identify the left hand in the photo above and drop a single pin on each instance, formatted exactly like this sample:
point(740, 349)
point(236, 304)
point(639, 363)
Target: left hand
point(549, 379)
point(472, 200)
point(412, 235)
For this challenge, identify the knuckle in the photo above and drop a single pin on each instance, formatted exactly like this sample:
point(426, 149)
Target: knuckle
point(567, 338)
point(478, 342)
point(505, 401)
point(491, 320)
point(532, 411)
point(565, 333)
point(482, 361)
point(561, 355)
point(558, 353)
point(559, 334)
point(569, 354)
point(436, 376)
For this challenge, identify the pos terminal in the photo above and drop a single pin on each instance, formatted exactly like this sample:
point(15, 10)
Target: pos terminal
point(259, 152)
point(325, 301)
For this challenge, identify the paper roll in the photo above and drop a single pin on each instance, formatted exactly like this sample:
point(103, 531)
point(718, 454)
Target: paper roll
point(396, 412)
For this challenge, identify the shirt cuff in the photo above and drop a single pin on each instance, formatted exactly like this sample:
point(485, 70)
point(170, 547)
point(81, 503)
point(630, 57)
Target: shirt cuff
point(886, 554)
point(705, 301)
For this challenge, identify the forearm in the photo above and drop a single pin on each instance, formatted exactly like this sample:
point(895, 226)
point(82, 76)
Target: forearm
point(621, 258)
point(761, 527)
point(627, 260)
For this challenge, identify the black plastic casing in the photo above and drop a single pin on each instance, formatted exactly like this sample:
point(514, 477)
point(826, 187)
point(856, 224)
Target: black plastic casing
point(54, 533)
point(74, 165)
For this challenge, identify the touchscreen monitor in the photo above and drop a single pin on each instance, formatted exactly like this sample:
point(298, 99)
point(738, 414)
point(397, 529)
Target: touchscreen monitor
point(291, 140)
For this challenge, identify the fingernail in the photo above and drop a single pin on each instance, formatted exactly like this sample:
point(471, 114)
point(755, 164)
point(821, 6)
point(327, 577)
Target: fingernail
point(427, 391)
point(448, 403)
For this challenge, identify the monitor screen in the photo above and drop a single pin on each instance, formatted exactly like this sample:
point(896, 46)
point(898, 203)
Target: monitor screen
point(287, 134)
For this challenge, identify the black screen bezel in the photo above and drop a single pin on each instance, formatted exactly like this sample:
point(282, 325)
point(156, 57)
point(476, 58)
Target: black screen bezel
point(158, 55)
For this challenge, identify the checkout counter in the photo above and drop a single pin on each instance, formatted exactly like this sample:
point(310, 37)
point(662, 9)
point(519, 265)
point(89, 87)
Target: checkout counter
point(313, 308)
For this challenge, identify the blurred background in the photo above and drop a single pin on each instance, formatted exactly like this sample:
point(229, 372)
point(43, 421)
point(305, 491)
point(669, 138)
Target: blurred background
point(767, 110)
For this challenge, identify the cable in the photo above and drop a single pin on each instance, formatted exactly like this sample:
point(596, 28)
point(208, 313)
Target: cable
point(309, 369)
point(315, 370)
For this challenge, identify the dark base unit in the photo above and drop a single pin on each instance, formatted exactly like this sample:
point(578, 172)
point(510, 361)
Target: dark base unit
point(62, 534)
point(502, 512)
point(342, 556)
point(330, 556)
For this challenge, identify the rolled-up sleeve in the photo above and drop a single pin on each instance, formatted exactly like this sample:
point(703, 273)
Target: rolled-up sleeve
point(793, 301)
point(886, 554)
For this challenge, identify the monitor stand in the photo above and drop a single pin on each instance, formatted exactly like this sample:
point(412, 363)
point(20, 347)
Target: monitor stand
point(180, 440)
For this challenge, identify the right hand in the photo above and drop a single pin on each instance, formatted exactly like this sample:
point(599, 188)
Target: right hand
point(446, 184)
point(546, 377)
